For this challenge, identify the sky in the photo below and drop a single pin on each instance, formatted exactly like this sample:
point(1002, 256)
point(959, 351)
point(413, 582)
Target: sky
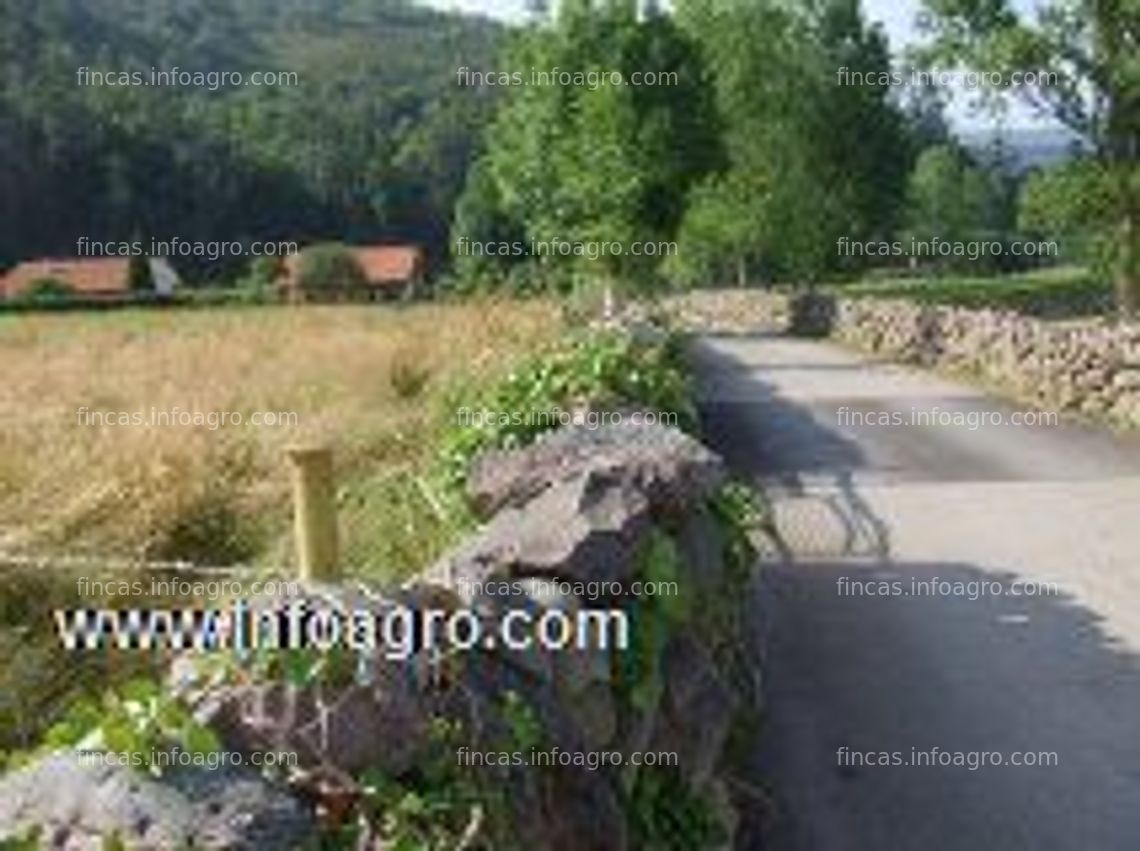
point(896, 16)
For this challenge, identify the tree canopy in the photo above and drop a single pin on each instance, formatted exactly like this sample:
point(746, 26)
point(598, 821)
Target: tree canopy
point(595, 158)
point(369, 139)
point(810, 160)
point(1085, 72)
point(727, 134)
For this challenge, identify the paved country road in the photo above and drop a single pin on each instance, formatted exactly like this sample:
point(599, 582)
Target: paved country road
point(915, 667)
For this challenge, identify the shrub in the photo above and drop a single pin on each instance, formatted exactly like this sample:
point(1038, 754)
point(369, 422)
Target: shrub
point(595, 370)
point(407, 377)
point(139, 277)
point(1048, 293)
point(329, 267)
point(261, 275)
point(49, 289)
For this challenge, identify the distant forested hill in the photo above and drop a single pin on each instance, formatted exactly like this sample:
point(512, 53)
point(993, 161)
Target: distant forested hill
point(1022, 149)
point(372, 142)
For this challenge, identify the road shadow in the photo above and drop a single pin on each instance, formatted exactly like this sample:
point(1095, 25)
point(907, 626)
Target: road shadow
point(805, 464)
point(760, 433)
point(941, 660)
point(965, 672)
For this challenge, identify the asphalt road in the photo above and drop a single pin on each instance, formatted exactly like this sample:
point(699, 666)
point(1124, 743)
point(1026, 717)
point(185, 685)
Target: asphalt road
point(872, 501)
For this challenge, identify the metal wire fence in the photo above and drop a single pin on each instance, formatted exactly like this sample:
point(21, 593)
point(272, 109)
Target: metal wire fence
point(378, 533)
point(39, 677)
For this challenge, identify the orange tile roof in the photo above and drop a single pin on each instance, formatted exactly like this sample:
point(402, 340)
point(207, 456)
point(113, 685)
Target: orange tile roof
point(389, 263)
point(84, 276)
point(382, 264)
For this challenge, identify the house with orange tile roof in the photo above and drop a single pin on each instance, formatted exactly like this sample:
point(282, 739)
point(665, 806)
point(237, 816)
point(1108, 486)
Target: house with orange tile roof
point(390, 272)
point(89, 279)
point(105, 277)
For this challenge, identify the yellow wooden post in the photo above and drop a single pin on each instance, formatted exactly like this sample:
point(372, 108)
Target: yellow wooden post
point(314, 514)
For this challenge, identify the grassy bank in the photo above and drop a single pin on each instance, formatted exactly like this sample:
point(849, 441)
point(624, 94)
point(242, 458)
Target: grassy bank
point(370, 382)
point(382, 387)
point(1064, 292)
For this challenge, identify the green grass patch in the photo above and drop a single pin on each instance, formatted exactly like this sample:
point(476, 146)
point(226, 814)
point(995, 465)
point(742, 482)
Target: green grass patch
point(1058, 293)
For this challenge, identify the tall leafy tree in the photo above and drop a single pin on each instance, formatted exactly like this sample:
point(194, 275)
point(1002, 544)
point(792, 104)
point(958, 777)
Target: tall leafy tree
point(952, 199)
point(810, 160)
point(586, 158)
point(371, 144)
point(1090, 49)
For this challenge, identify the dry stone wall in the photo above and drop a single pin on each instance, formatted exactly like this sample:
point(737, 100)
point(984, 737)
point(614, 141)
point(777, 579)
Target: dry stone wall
point(610, 504)
point(1087, 368)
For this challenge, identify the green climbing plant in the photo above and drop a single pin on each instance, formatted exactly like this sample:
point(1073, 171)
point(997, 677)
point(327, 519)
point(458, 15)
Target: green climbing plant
point(594, 370)
point(665, 814)
point(140, 717)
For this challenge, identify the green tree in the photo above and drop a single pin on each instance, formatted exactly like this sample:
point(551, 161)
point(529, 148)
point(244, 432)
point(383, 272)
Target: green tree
point(924, 109)
point(262, 274)
point(329, 267)
point(49, 289)
point(795, 183)
point(594, 159)
point(1089, 49)
point(369, 142)
point(139, 278)
point(1068, 203)
point(949, 198)
point(719, 233)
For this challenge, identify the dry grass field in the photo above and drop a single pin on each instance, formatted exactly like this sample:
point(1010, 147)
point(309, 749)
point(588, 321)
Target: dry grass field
point(368, 381)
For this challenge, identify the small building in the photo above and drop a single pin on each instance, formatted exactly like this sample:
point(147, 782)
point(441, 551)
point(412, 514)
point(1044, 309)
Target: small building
point(164, 277)
point(390, 272)
point(102, 278)
point(89, 279)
